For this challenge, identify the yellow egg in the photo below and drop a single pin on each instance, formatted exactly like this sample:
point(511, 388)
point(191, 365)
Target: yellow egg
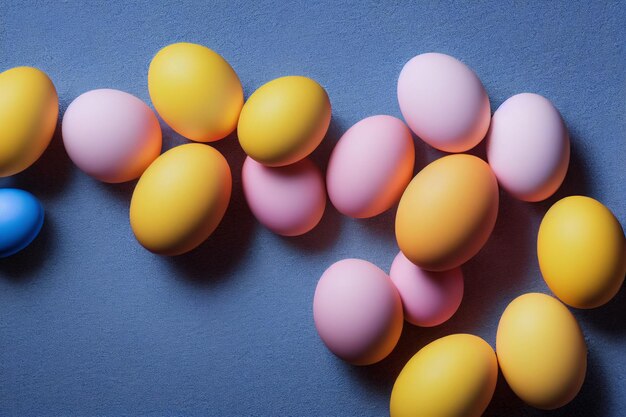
point(29, 108)
point(454, 376)
point(582, 252)
point(541, 351)
point(195, 91)
point(447, 212)
point(180, 199)
point(284, 120)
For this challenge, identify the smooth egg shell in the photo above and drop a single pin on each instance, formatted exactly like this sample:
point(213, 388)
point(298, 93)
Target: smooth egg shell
point(370, 166)
point(21, 218)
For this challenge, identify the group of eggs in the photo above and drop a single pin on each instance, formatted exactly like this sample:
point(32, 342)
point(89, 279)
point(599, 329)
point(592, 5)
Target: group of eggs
point(445, 214)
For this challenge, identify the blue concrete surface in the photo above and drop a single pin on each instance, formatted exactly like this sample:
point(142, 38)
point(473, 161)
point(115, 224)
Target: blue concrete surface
point(91, 324)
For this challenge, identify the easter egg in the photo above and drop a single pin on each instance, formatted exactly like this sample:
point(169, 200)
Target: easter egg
point(447, 212)
point(428, 298)
point(29, 108)
point(284, 120)
point(443, 102)
point(195, 91)
point(111, 135)
point(370, 166)
point(528, 147)
point(180, 199)
point(454, 376)
point(21, 218)
point(288, 200)
point(541, 351)
point(582, 252)
point(357, 311)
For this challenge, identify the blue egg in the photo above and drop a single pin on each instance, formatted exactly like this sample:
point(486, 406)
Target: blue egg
point(21, 218)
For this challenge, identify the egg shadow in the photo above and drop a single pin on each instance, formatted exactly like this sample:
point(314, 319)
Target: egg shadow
point(27, 264)
point(609, 318)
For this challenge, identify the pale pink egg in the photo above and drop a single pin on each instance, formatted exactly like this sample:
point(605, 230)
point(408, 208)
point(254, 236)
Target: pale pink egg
point(357, 311)
point(528, 147)
point(370, 166)
point(443, 102)
point(428, 298)
point(288, 200)
point(111, 135)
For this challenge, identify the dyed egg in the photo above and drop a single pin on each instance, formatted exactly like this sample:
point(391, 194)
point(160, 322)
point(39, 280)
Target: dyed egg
point(541, 351)
point(21, 218)
point(29, 108)
point(443, 102)
point(447, 212)
point(370, 166)
point(288, 200)
point(180, 199)
point(284, 120)
point(582, 252)
point(454, 376)
point(528, 147)
point(428, 298)
point(357, 311)
point(195, 91)
point(111, 135)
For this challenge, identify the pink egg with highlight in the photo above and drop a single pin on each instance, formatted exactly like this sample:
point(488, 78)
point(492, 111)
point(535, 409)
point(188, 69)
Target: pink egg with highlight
point(428, 298)
point(357, 311)
point(444, 102)
point(111, 135)
point(528, 147)
point(370, 166)
point(289, 200)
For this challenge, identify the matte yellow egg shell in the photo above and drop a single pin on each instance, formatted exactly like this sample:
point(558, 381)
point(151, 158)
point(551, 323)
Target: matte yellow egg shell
point(541, 351)
point(180, 199)
point(195, 91)
point(454, 376)
point(29, 108)
point(284, 120)
point(582, 252)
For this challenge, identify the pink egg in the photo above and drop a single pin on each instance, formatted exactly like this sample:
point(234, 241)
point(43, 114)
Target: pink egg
point(111, 135)
point(443, 102)
point(288, 200)
point(357, 311)
point(428, 298)
point(528, 147)
point(370, 166)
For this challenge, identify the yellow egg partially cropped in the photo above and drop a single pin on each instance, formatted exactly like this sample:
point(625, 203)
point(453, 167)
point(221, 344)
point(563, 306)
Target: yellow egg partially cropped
point(29, 108)
point(541, 351)
point(454, 376)
point(195, 91)
point(180, 199)
point(284, 120)
point(582, 252)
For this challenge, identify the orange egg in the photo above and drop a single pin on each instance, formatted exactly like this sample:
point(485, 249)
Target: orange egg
point(447, 212)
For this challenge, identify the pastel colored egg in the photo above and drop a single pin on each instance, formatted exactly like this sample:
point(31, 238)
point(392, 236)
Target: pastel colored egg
point(284, 120)
point(21, 218)
point(541, 351)
point(447, 212)
point(454, 376)
point(357, 311)
point(370, 166)
point(582, 252)
point(180, 199)
point(288, 200)
point(528, 147)
point(195, 91)
point(428, 298)
point(443, 102)
point(29, 108)
point(111, 135)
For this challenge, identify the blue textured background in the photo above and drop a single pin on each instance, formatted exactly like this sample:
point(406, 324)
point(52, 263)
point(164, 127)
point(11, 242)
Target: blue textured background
point(92, 324)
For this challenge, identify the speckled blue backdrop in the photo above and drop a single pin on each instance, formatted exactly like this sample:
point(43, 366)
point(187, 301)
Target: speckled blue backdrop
point(93, 325)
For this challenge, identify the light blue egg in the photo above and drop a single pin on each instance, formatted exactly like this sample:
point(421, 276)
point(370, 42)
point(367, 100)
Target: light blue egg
point(21, 218)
